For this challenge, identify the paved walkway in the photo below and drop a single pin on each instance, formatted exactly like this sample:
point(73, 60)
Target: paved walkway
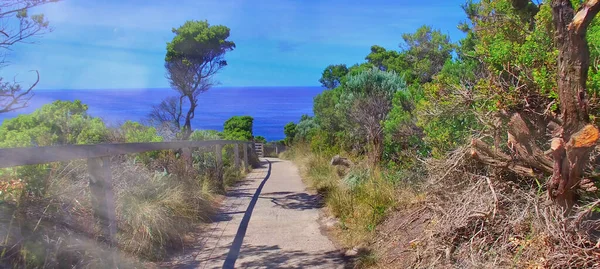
point(267, 221)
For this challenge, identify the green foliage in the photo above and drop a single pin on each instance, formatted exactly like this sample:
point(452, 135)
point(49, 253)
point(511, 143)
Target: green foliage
point(136, 132)
point(369, 83)
point(238, 128)
point(195, 42)
point(426, 52)
point(423, 55)
point(260, 139)
point(290, 132)
point(306, 128)
point(61, 122)
point(58, 123)
point(331, 121)
point(356, 177)
point(445, 118)
point(386, 59)
point(201, 135)
point(193, 57)
point(367, 100)
point(419, 102)
point(332, 75)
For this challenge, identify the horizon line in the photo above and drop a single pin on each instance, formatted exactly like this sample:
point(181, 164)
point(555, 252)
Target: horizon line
point(162, 88)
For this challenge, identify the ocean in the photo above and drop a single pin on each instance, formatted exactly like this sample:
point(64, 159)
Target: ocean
point(271, 107)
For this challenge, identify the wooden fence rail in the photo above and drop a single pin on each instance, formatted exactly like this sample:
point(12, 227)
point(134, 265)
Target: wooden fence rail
point(98, 163)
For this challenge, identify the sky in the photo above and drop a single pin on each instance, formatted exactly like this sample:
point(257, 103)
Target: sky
point(118, 44)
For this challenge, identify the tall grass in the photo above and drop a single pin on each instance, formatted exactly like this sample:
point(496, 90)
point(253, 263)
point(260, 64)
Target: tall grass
point(359, 197)
point(158, 201)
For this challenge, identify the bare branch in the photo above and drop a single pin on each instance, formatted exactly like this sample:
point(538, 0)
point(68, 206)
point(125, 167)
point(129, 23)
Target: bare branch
point(14, 12)
point(13, 97)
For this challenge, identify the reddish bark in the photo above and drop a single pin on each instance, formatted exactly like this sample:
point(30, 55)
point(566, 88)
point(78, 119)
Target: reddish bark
point(573, 62)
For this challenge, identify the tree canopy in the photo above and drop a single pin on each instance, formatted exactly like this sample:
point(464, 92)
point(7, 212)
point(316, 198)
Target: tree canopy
point(332, 75)
point(193, 57)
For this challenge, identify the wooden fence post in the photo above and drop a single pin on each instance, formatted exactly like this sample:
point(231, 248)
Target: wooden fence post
point(186, 153)
point(236, 151)
point(219, 159)
point(103, 202)
point(246, 157)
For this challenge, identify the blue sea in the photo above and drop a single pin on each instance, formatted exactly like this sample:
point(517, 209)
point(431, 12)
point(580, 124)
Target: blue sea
point(271, 107)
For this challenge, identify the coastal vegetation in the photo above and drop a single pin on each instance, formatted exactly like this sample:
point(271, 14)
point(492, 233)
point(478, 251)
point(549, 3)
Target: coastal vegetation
point(477, 153)
point(46, 211)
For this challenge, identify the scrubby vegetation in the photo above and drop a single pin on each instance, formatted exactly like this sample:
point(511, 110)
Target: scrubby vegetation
point(479, 153)
point(46, 213)
point(47, 218)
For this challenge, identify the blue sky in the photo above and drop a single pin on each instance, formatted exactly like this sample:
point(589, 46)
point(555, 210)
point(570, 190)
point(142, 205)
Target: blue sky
point(121, 44)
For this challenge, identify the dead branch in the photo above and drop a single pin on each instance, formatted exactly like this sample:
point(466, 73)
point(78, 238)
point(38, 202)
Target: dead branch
point(481, 152)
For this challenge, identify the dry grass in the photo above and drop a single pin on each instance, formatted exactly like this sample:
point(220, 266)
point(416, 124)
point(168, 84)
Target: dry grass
point(360, 198)
point(480, 218)
point(158, 201)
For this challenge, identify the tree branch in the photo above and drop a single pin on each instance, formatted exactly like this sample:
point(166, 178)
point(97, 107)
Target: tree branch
point(17, 98)
point(584, 16)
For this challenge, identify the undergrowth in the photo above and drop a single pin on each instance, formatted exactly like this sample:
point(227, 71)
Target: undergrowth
point(158, 201)
point(360, 197)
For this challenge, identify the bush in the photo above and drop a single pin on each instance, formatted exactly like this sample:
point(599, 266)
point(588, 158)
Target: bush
point(47, 209)
point(238, 128)
point(201, 135)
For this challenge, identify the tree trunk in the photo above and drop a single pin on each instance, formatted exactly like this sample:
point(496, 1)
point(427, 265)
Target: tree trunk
point(187, 127)
point(377, 149)
point(571, 147)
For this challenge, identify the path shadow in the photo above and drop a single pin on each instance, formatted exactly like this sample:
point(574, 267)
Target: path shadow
point(298, 201)
point(272, 256)
point(286, 199)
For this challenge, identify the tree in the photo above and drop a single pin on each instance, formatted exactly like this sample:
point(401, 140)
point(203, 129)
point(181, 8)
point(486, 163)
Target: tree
point(385, 59)
point(238, 128)
point(12, 13)
point(367, 98)
point(290, 132)
point(193, 57)
point(574, 140)
point(422, 55)
point(426, 52)
point(533, 88)
point(332, 75)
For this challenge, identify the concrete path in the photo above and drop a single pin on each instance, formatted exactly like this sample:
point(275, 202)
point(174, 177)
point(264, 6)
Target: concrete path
point(267, 221)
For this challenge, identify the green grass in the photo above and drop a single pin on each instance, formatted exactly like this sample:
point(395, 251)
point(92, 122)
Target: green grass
point(360, 206)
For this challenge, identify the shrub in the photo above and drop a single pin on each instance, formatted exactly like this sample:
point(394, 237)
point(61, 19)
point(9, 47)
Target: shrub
point(238, 128)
